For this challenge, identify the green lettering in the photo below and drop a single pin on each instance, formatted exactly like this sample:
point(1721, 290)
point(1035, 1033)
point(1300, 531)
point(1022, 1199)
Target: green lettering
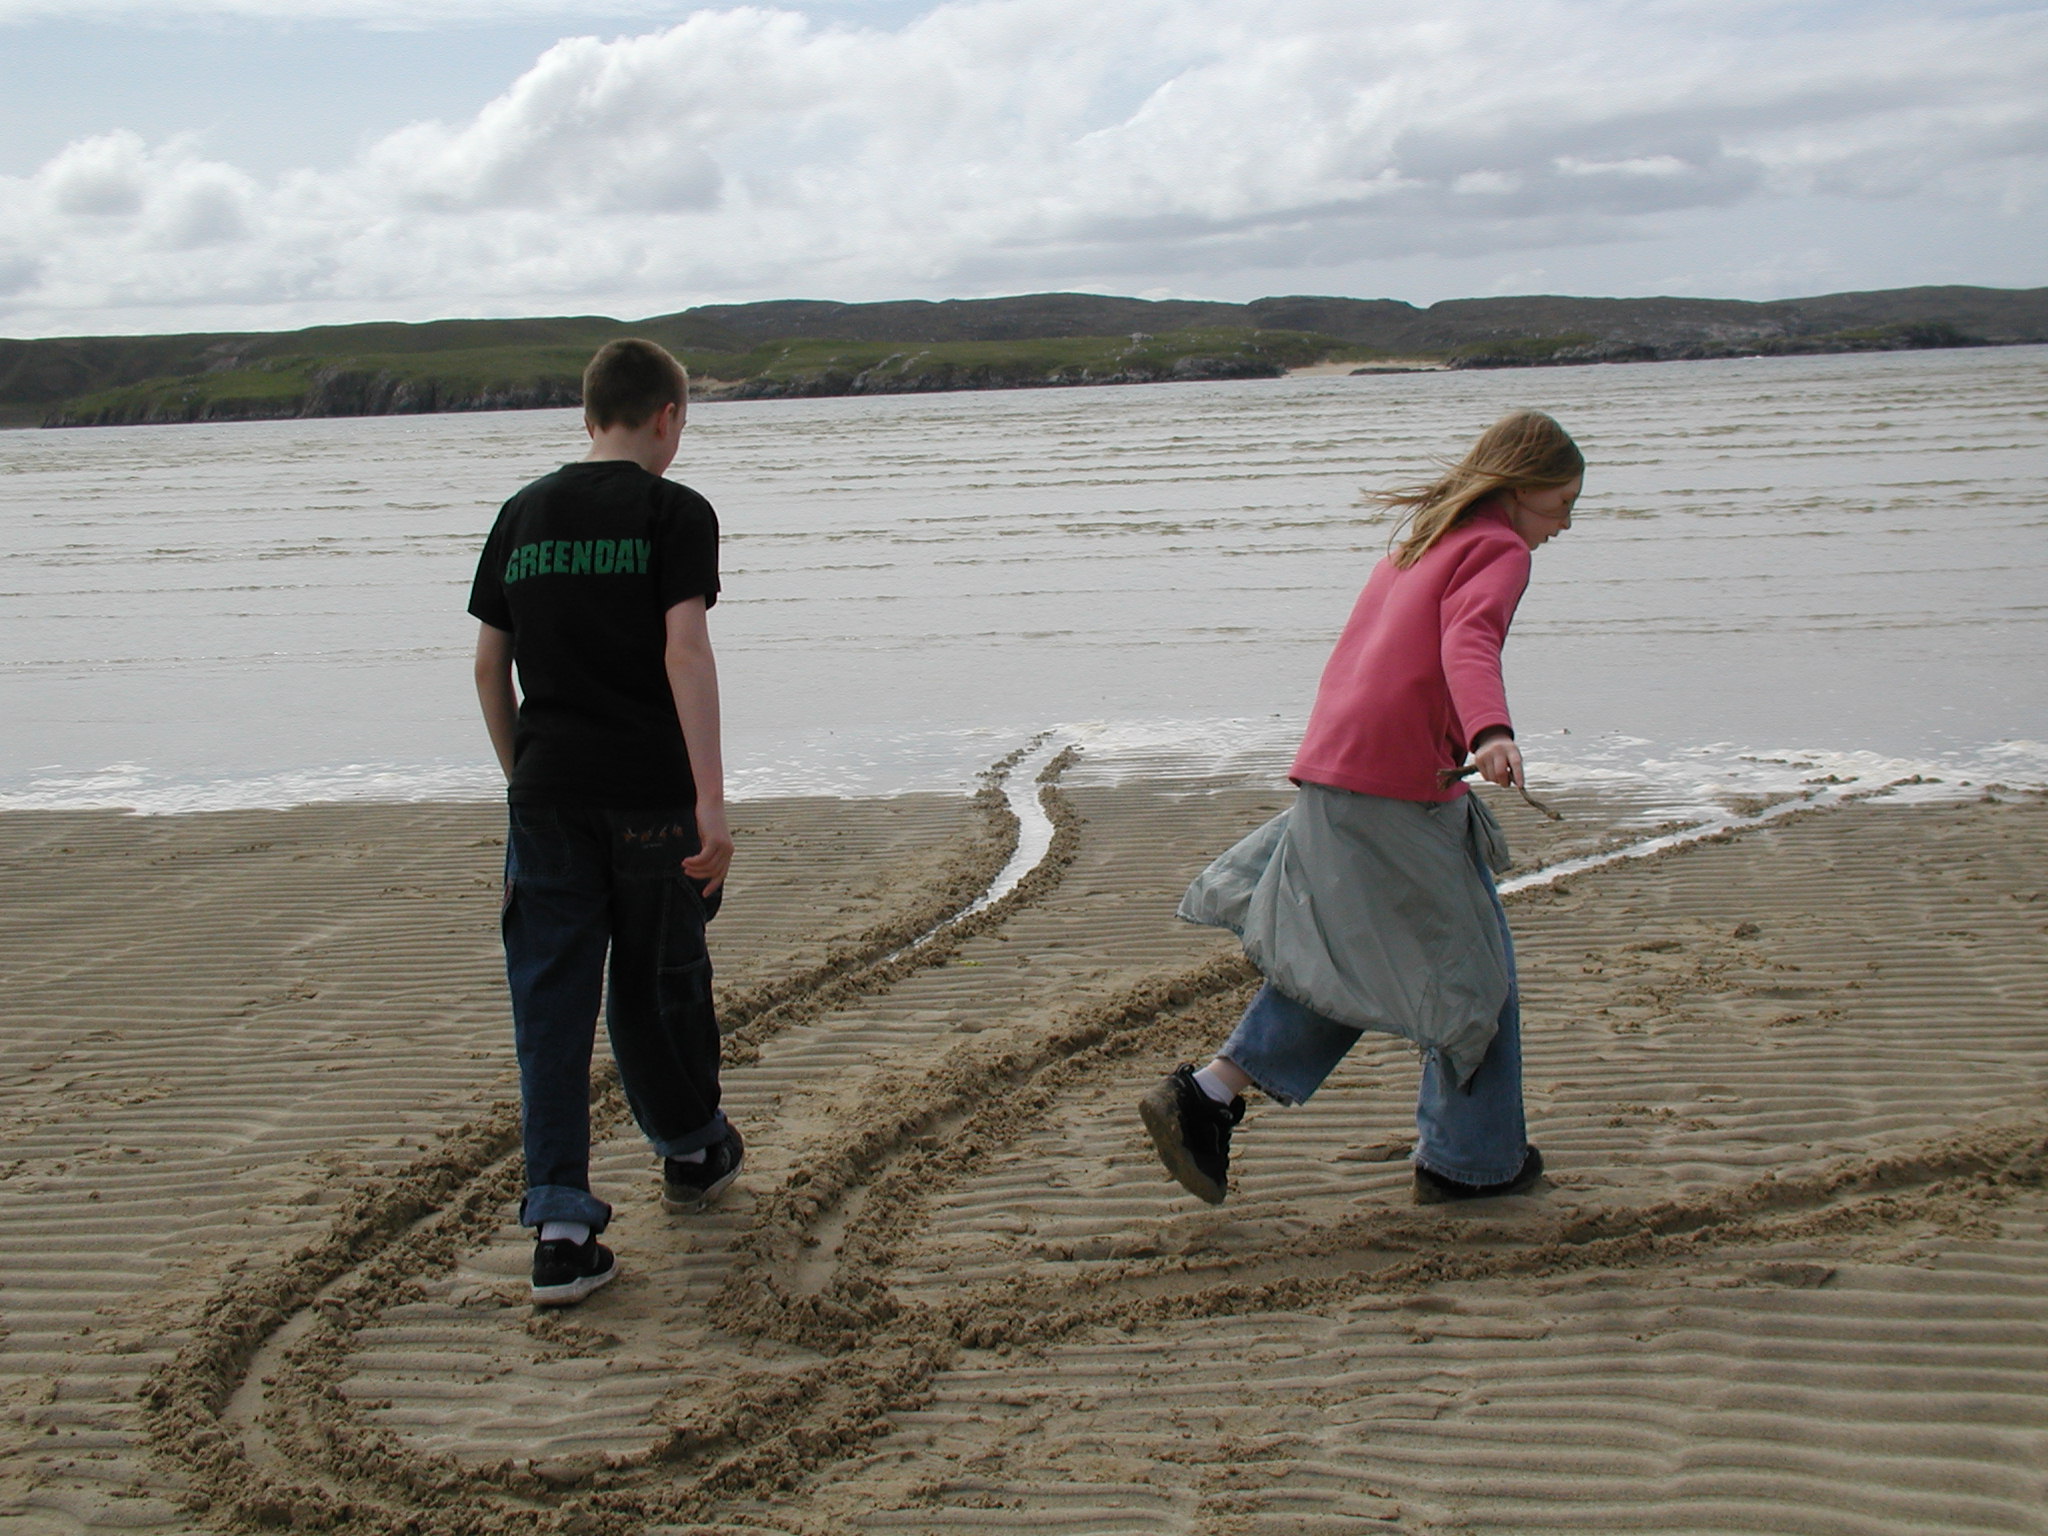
point(512, 568)
point(641, 550)
point(543, 558)
point(601, 556)
point(561, 557)
point(579, 558)
point(528, 563)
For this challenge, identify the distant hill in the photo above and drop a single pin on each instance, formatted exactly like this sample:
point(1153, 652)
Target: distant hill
point(794, 347)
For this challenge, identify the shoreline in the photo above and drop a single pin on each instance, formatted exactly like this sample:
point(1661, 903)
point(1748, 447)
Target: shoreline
point(1788, 1080)
point(1660, 782)
point(1519, 355)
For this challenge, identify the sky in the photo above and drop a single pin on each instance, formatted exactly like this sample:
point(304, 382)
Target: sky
point(182, 165)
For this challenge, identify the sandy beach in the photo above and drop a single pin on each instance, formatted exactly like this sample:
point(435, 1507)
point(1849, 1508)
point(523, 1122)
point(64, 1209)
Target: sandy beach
point(1790, 1275)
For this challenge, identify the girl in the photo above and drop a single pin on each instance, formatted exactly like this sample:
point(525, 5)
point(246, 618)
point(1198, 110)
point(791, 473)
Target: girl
point(1370, 904)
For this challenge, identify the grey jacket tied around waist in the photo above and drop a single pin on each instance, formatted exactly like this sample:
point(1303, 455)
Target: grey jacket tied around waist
point(1373, 912)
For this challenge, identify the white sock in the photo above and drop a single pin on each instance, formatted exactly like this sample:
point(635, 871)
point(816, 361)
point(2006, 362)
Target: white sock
point(697, 1156)
point(565, 1232)
point(1212, 1085)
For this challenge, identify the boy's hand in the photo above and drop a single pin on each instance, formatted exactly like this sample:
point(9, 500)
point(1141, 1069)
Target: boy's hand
point(1499, 760)
point(714, 852)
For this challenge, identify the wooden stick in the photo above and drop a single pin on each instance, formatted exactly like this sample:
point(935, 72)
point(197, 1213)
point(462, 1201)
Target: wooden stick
point(1450, 776)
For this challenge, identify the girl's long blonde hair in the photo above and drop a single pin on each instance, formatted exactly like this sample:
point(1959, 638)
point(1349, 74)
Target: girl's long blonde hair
point(1524, 450)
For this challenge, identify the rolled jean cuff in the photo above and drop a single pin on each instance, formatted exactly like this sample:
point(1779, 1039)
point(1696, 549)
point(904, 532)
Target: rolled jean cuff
point(1476, 1176)
point(563, 1202)
point(707, 1135)
point(1286, 1048)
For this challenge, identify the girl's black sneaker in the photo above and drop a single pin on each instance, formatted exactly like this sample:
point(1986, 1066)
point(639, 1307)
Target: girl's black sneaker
point(1435, 1189)
point(565, 1272)
point(1192, 1133)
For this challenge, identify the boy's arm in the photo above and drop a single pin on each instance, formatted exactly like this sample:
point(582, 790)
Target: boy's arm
point(494, 689)
point(693, 682)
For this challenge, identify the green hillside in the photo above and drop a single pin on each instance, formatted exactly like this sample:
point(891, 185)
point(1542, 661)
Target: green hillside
point(817, 347)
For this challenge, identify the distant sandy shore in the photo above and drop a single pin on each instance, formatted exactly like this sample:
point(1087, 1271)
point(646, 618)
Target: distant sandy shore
point(1791, 1273)
point(1379, 365)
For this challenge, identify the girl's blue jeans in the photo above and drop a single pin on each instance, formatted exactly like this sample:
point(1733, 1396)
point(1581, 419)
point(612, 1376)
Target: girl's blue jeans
point(1475, 1134)
point(584, 887)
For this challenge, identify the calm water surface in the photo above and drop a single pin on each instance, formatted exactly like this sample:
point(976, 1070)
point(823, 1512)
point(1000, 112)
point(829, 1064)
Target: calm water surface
point(1840, 563)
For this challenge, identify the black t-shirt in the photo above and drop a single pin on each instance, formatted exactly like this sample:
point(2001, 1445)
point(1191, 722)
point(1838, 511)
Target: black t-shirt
point(582, 567)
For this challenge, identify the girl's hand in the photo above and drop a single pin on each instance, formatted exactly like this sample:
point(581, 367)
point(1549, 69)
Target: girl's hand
point(1499, 760)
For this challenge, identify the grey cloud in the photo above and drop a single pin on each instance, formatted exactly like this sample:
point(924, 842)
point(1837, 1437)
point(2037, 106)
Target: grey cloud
point(1443, 152)
point(660, 179)
point(19, 272)
point(1335, 234)
point(106, 194)
point(212, 210)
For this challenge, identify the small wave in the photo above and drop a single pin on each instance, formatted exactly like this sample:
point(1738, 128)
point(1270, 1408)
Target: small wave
point(145, 791)
point(1647, 782)
point(1711, 777)
point(1657, 781)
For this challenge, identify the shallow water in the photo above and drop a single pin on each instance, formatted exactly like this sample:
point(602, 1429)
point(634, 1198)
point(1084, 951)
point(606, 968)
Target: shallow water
point(1839, 563)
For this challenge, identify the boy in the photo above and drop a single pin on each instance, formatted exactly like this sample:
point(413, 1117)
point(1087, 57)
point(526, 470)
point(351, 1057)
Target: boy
point(595, 582)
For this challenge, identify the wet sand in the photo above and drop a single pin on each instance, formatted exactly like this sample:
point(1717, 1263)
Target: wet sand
point(1791, 1272)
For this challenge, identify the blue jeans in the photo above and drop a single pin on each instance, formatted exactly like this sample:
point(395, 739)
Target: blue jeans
point(580, 881)
point(1475, 1134)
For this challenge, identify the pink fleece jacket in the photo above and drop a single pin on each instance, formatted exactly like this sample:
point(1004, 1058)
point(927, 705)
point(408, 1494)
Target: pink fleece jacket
point(1416, 673)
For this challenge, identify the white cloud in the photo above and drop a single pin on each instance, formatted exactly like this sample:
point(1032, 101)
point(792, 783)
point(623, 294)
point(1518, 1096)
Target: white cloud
point(113, 190)
point(100, 177)
point(999, 145)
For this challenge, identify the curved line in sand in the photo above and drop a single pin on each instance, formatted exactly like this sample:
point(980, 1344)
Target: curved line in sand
point(1026, 776)
point(1024, 788)
point(267, 1481)
point(1699, 832)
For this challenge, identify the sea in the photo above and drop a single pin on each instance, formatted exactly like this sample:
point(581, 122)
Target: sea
point(1783, 571)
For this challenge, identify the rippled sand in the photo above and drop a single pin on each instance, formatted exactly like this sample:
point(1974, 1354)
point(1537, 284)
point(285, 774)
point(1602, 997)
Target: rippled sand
point(1791, 1273)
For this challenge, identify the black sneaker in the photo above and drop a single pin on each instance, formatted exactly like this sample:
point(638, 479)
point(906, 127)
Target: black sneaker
point(1435, 1189)
point(1192, 1132)
point(566, 1272)
point(692, 1186)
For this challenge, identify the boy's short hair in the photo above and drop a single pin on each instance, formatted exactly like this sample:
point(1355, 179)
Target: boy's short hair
point(629, 380)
